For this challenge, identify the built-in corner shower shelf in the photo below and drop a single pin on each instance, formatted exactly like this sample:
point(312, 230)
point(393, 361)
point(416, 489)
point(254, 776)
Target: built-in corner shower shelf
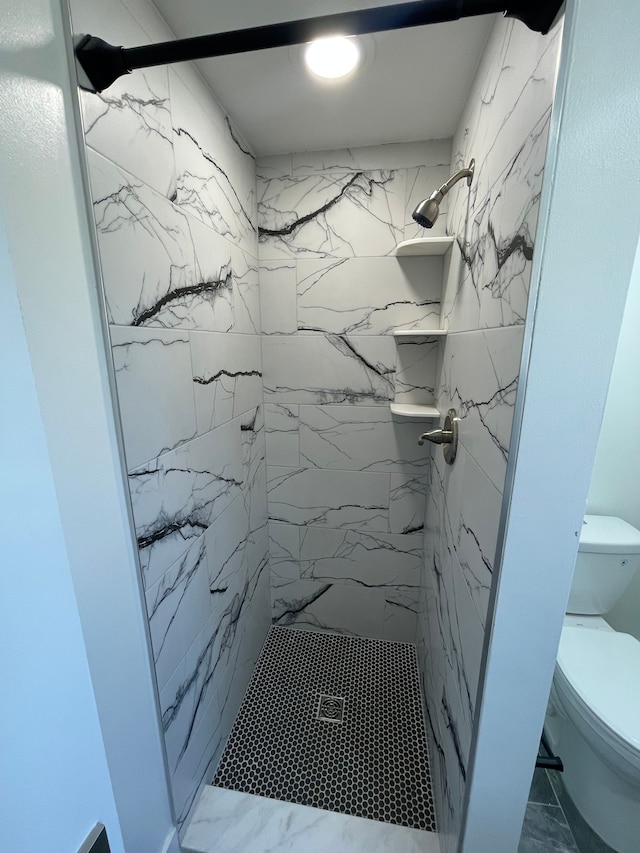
point(419, 333)
point(424, 246)
point(410, 410)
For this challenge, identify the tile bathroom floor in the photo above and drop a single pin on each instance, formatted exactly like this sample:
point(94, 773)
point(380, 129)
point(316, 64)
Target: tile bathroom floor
point(545, 829)
point(334, 722)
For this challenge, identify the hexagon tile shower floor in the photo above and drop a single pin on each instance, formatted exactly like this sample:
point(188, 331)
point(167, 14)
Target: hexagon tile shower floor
point(333, 722)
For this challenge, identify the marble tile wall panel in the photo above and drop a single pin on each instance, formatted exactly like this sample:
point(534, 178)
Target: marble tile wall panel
point(328, 369)
point(284, 553)
point(227, 376)
point(355, 558)
point(368, 296)
point(331, 215)
point(246, 293)
point(495, 221)
point(400, 616)
point(227, 549)
point(496, 245)
point(407, 493)
point(460, 300)
point(160, 267)
point(322, 497)
point(478, 534)
point(189, 704)
point(174, 196)
point(384, 562)
point(273, 166)
point(252, 434)
point(415, 377)
point(282, 434)
point(479, 378)
point(130, 122)
point(386, 613)
point(178, 495)
point(504, 127)
point(178, 604)
point(278, 297)
point(152, 368)
point(317, 606)
point(359, 438)
point(453, 644)
point(200, 698)
point(331, 296)
point(214, 126)
point(194, 756)
point(428, 154)
point(252, 440)
point(513, 90)
point(215, 178)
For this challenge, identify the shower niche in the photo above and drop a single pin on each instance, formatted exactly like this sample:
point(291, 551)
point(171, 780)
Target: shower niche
point(416, 366)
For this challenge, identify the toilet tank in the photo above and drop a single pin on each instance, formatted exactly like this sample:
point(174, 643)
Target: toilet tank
point(608, 557)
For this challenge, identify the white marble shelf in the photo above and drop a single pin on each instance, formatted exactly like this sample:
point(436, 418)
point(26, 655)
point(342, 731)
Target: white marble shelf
point(419, 333)
point(424, 246)
point(410, 410)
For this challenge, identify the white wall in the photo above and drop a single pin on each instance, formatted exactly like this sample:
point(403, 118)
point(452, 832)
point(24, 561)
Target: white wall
point(43, 204)
point(615, 484)
point(55, 779)
point(582, 272)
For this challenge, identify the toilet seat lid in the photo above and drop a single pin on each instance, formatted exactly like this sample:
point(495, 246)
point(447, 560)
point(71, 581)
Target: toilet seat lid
point(603, 669)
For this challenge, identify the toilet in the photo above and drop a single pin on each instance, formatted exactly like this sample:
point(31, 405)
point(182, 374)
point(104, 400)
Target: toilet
point(593, 719)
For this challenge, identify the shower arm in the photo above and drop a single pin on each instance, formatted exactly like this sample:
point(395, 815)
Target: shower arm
point(440, 193)
point(100, 64)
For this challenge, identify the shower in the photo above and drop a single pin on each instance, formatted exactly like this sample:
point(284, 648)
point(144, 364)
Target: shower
point(279, 501)
point(428, 210)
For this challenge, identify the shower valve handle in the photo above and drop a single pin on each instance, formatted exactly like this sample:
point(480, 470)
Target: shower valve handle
point(448, 436)
point(437, 436)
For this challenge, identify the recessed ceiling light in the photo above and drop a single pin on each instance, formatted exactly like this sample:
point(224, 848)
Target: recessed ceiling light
point(332, 57)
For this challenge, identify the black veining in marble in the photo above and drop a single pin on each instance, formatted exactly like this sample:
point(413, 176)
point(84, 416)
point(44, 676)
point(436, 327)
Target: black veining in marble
point(180, 131)
point(287, 617)
point(231, 374)
point(235, 139)
point(308, 217)
point(358, 182)
point(201, 288)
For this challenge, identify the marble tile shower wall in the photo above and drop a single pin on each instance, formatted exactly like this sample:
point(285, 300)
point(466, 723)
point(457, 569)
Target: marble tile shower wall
point(504, 126)
point(346, 481)
point(175, 211)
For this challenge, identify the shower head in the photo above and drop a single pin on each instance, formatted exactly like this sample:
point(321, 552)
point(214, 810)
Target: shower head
point(427, 211)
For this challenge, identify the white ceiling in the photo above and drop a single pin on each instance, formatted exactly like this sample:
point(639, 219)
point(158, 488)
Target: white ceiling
point(412, 85)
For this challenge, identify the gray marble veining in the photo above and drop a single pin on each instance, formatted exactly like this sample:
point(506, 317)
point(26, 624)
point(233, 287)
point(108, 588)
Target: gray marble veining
point(504, 126)
point(174, 201)
point(345, 472)
point(231, 822)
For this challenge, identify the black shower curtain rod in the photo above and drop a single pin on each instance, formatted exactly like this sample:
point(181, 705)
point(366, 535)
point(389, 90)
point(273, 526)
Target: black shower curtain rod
point(103, 63)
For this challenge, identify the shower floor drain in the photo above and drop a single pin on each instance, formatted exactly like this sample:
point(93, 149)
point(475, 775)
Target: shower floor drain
point(285, 743)
point(330, 709)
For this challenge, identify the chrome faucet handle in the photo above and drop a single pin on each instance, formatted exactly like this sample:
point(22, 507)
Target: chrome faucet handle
point(437, 436)
point(448, 436)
